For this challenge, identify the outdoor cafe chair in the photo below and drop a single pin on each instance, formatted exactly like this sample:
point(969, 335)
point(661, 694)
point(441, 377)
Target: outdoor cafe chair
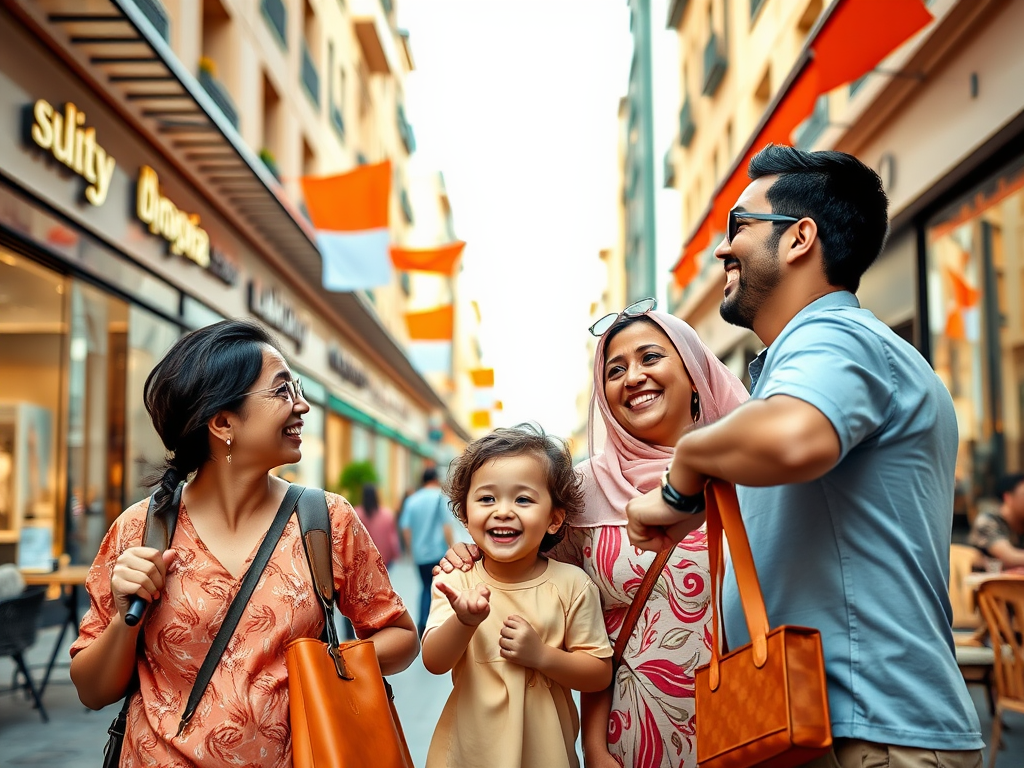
point(19, 617)
point(1002, 605)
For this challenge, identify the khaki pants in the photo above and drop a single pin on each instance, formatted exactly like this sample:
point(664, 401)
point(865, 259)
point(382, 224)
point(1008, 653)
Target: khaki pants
point(854, 753)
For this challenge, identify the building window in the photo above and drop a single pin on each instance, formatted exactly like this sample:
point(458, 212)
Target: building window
point(975, 263)
point(276, 16)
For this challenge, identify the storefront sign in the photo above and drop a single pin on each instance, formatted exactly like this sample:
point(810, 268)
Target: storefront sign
point(71, 143)
point(268, 306)
point(178, 228)
point(347, 367)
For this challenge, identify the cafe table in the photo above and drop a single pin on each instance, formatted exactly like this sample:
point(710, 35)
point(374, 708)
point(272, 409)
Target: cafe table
point(69, 578)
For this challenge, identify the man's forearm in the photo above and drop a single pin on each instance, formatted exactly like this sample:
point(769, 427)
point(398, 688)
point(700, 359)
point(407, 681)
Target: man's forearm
point(764, 442)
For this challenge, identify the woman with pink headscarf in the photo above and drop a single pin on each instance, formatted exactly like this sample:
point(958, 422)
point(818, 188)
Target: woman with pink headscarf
point(654, 379)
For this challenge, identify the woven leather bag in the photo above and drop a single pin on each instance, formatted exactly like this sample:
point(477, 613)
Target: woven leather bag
point(764, 704)
point(342, 709)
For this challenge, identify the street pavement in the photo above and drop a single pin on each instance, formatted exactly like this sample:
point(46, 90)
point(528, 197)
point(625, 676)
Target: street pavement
point(75, 735)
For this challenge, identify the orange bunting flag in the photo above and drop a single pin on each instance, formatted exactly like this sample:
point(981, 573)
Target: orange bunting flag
point(350, 214)
point(498, 405)
point(480, 419)
point(432, 325)
point(482, 377)
point(442, 259)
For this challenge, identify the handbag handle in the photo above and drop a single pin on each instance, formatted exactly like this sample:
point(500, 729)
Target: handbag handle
point(637, 604)
point(723, 516)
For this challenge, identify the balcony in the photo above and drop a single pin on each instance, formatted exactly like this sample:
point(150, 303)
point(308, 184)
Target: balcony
point(310, 76)
point(810, 130)
point(375, 36)
point(276, 16)
point(154, 12)
point(219, 94)
point(686, 125)
point(405, 131)
point(338, 123)
point(715, 65)
point(676, 9)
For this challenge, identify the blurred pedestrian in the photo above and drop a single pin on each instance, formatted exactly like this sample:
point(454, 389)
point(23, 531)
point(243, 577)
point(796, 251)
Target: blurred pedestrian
point(999, 533)
point(228, 409)
point(379, 522)
point(427, 529)
point(844, 460)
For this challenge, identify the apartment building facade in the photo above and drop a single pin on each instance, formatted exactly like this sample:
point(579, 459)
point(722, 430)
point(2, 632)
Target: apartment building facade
point(942, 121)
point(150, 159)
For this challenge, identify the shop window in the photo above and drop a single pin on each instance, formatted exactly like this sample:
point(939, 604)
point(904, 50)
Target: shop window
point(149, 338)
point(96, 417)
point(975, 258)
point(32, 342)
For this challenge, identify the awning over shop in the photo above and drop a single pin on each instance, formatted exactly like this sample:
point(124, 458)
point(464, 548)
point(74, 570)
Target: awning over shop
point(848, 41)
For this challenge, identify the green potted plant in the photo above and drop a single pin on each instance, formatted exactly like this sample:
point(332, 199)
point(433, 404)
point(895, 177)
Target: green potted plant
point(353, 477)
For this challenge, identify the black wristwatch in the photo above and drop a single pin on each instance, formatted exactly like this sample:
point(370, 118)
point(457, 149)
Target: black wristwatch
point(688, 505)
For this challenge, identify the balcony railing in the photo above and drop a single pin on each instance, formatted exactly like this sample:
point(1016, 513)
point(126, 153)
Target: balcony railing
point(338, 122)
point(810, 130)
point(220, 95)
point(686, 125)
point(154, 11)
point(310, 76)
point(715, 65)
point(276, 16)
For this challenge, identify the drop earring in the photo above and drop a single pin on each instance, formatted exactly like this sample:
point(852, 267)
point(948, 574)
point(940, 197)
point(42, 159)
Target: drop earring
point(229, 450)
point(695, 406)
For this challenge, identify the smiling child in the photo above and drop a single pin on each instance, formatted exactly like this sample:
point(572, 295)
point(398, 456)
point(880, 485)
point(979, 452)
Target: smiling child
point(518, 631)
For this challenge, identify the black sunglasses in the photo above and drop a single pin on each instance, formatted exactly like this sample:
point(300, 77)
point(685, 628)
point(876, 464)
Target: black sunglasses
point(735, 216)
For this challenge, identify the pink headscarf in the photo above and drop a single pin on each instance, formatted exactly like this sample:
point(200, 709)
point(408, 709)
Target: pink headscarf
point(629, 467)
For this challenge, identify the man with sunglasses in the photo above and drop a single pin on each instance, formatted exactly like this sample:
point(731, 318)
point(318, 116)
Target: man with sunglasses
point(843, 460)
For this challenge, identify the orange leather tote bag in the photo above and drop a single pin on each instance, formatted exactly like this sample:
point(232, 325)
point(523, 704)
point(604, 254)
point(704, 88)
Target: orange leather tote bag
point(342, 710)
point(764, 704)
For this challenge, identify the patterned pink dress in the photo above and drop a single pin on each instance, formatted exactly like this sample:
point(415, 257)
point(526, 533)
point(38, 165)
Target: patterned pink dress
point(652, 718)
point(242, 719)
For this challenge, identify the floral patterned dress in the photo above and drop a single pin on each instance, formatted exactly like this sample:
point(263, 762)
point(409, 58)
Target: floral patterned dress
point(652, 717)
point(242, 719)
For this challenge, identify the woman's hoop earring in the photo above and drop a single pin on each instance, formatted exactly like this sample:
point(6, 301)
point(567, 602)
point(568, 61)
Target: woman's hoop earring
point(229, 450)
point(695, 406)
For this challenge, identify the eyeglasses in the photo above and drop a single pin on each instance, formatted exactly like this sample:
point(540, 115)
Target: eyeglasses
point(636, 309)
point(290, 390)
point(735, 216)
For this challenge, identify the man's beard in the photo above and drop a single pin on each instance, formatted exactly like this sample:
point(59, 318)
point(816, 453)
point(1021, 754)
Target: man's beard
point(759, 276)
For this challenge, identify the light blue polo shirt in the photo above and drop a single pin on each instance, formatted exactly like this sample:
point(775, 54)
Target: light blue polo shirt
point(862, 553)
point(426, 514)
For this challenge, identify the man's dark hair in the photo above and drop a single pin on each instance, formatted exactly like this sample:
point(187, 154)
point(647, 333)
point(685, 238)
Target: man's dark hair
point(565, 484)
point(429, 475)
point(1008, 484)
point(842, 195)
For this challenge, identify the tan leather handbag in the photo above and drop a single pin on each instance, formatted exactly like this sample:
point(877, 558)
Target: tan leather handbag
point(764, 704)
point(342, 710)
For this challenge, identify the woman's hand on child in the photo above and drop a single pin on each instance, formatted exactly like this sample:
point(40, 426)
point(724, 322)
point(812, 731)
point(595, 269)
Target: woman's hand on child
point(459, 557)
point(521, 643)
point(139, 571)
point(471, 606)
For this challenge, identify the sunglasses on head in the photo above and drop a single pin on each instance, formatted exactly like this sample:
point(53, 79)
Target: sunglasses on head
point(636, 309)
point(736, 215)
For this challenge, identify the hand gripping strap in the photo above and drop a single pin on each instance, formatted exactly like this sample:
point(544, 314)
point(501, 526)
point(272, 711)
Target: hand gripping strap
point(237, 608)
point(639, 601)
point(723, 516)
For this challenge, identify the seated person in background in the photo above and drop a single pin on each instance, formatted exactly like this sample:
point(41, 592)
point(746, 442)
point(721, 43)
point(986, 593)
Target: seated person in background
point(999, 534)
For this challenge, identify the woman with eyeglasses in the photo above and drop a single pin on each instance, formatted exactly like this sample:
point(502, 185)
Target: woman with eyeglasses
point(229, 410)
point(653, 380)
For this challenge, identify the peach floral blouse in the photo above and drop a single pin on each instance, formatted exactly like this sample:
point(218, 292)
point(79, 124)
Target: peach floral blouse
point(242, 719)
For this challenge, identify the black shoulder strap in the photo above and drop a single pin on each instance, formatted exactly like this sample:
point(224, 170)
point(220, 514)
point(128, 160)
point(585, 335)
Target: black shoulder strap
point(315, 524)
point(234, 614)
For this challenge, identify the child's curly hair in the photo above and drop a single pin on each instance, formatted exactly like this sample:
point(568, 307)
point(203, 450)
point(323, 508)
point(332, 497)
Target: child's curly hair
point(564, 484)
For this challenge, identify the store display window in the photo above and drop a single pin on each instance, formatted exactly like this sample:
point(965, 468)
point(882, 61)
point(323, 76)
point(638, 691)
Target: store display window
point(975, 261)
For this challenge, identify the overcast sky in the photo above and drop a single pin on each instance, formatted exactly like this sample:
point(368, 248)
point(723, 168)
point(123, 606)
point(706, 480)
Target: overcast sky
point(516, 102)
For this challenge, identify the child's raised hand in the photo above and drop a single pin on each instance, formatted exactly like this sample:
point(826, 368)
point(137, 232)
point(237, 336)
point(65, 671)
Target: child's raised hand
point(521, 643)
point(471, 606)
